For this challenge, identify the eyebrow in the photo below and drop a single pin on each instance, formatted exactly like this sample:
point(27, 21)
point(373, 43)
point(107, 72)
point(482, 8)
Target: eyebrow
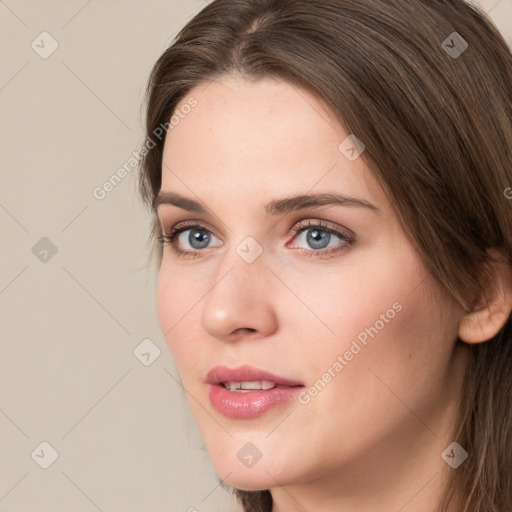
point(274, 207)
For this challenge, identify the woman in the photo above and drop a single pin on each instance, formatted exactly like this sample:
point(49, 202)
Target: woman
point(332, 199)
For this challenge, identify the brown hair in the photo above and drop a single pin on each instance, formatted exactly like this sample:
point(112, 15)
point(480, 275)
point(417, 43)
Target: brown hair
point(438, 124)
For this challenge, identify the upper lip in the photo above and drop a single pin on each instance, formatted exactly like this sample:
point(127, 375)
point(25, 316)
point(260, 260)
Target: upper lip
point(245, 373)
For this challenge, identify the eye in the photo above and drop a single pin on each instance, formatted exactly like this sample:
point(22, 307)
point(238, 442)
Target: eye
point(198, 238)
point(319, 236)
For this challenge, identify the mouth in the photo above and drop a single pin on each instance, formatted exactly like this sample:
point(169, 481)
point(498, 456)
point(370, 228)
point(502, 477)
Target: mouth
point(247, 378)
point(247, 392)
point(255, 385)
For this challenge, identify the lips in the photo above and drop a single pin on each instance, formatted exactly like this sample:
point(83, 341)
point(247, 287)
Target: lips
point(249, 403)
point(245, 373)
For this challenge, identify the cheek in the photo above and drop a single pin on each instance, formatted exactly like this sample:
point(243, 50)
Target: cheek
point(371, 295)
point(172, 306)
point(381, 320)
point(394, 345)
point(178, 304)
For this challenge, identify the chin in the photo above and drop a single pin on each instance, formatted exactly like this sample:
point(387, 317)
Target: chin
point(247, 481)
point(260, 476)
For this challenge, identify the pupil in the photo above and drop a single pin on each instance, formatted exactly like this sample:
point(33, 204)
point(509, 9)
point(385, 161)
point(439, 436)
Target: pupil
point(316, 237)
point(196, 235)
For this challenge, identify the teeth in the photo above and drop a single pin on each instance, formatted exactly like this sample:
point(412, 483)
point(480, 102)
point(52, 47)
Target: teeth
point(249, 385)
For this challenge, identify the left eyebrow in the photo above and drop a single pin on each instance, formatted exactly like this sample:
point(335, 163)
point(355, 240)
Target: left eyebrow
point(274, 207)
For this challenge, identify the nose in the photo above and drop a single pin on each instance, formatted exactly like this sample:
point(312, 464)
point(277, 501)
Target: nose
point(240, 301)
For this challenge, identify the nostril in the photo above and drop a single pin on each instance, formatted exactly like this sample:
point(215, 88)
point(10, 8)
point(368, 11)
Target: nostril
point(245, 329)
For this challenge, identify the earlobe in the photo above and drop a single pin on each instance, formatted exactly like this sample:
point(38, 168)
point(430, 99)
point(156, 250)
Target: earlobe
point(490, 315)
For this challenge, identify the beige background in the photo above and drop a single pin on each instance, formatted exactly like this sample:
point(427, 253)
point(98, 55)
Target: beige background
point(69, 325)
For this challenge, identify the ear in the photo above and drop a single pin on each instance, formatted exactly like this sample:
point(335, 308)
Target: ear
point(494, 307)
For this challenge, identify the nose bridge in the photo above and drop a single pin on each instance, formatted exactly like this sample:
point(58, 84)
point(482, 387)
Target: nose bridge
point(243, 262)
point(240, 296)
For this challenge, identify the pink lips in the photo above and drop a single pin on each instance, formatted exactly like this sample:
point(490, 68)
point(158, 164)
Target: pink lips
point(250, 404)
point(246, 372)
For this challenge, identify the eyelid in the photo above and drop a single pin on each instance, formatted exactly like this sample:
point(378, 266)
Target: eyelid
point(325, 225)
point(296, 226)
point(194, 223)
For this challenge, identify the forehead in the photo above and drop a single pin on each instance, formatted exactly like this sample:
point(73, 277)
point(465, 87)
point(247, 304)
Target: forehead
point(262, 137)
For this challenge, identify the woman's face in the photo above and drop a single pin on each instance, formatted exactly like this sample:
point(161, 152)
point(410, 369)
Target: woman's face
point(354, 317)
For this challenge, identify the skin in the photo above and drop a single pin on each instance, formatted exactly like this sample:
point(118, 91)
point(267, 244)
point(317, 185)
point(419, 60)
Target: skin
point(372, 439)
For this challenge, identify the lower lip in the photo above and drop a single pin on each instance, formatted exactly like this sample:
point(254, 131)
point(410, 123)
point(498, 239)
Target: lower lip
point(250, 404)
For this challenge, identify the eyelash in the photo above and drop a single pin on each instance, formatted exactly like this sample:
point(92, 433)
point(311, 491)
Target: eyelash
point(170, 239)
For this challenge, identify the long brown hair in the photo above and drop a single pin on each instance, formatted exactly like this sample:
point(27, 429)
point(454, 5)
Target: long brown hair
point(434, 110)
